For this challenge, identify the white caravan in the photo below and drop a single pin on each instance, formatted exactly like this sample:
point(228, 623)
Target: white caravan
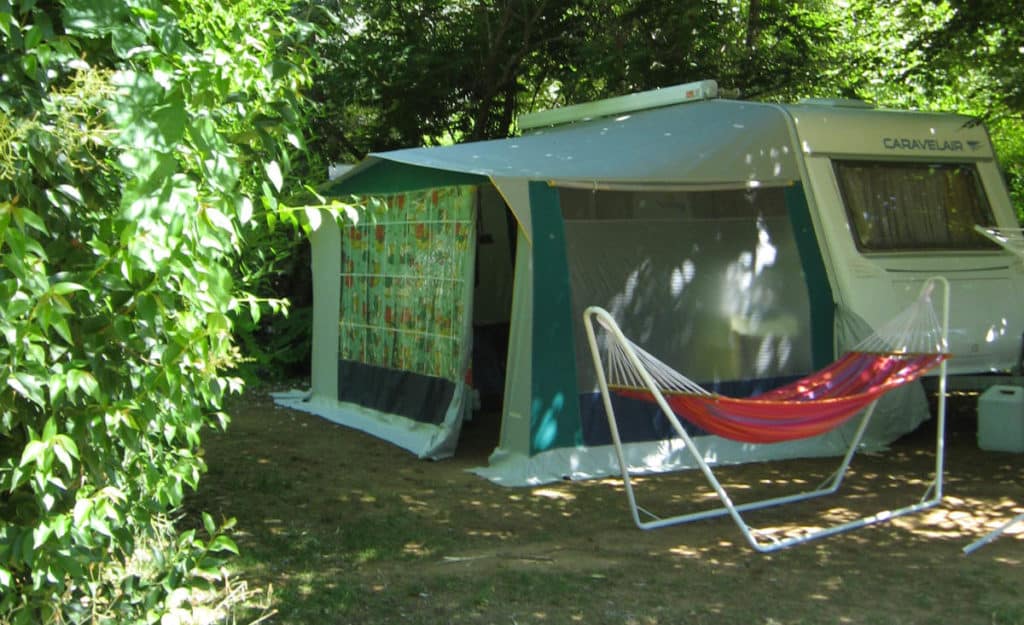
point(895, 197)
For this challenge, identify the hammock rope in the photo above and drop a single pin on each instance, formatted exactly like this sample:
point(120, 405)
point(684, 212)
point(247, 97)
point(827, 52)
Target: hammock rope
point(901, 351)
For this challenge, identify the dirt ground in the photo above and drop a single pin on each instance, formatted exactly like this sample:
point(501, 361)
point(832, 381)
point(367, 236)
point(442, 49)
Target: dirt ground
point(350, 529)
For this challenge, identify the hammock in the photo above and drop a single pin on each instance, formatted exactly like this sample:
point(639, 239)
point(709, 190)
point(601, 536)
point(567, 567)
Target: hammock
point(808, 407)
point(911, 344)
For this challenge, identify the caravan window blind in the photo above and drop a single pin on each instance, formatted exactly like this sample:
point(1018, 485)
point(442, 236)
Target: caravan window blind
point(895, 206)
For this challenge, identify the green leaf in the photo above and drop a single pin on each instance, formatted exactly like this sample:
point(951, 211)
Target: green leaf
point(49, 430)
point(61, 525)
point(222, 172)
point(170, 119)
point(314, 217)
point(40, 534)
point(245, 210)
point(25, 217)
point(219, 220)
point(84, 381)
point(83, 509)
point(223, 543)
point(100, 525)
point(145, 13)
point(71, 192)
point(60, 324)
point(30, 65)
point(209, 524)
point(65, 448)
point(56, 385)
point(34, 452)
point(32, 37)
point(28, 386)
point(89, 17)
point(63, 288)
point(254, 310)
point(5, 29)
point(127, 41)
point(64, 458)
point(69, 444)
point(146, 306)
point(274, 174)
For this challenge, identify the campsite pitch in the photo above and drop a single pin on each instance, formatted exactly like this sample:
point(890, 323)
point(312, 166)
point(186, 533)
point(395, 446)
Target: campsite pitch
point(349, 529)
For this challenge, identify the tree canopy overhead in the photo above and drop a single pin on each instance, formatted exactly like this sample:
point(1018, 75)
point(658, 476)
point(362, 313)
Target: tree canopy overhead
point(402, 74)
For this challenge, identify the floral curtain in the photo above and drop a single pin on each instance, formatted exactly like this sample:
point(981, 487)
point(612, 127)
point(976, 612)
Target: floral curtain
point(406, 272)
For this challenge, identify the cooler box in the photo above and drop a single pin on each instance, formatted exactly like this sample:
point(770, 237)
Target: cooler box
point(1001, 418)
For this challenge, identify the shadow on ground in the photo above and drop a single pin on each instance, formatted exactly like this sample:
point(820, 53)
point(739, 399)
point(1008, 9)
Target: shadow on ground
point(350, 529)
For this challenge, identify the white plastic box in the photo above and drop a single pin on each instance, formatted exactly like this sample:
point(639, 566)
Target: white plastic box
point(1001, 418)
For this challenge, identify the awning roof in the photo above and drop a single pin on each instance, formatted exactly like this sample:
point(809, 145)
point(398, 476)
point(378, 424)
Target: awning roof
point(709, 143)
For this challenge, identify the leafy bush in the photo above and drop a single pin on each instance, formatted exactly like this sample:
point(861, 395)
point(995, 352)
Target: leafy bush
point(137, 140)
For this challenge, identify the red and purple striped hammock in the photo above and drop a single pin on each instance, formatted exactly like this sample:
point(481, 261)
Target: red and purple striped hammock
point(807, 407)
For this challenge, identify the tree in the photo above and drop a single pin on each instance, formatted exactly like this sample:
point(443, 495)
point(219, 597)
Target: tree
point(975, 62)
point(760, 49)
point(405, 74)
point(138, 139)
point(408, 74)
point(950, 56)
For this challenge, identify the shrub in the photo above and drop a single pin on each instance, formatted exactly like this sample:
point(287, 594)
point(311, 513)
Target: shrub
point(138, 139)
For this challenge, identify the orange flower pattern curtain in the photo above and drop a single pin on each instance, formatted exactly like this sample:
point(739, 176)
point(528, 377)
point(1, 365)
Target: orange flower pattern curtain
point(407, 270)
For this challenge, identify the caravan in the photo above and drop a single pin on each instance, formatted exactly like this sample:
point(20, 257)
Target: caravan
point(896, 198)
point(744, 243)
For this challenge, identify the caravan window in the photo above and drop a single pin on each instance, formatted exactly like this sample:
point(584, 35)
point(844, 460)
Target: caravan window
point(914, 206)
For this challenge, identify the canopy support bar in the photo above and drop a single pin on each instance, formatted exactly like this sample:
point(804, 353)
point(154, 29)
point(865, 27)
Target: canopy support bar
point(664, 187)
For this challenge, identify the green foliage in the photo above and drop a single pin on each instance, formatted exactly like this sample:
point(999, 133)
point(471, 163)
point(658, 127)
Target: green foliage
point(138, 140)
point(948, 56)
point(406, 74)
point(403, 74)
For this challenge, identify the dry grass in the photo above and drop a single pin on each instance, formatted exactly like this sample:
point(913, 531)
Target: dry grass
point(349, 529)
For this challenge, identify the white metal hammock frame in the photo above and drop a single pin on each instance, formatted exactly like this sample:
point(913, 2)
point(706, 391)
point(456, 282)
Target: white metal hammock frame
point(1012, 240)
point(639, 365)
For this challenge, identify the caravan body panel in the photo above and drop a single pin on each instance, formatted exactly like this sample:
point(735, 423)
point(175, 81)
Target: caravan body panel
point(877, 270)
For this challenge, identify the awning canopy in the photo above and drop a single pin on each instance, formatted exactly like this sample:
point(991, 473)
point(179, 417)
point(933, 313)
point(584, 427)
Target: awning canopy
point(721, 143)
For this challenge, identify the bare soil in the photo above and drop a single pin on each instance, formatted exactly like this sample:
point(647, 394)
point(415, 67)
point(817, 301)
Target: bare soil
point(350, 529)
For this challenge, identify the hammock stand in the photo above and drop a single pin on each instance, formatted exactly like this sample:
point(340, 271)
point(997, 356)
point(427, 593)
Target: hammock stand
point(1012, 240)
point(994, 534)
point(635, 364)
